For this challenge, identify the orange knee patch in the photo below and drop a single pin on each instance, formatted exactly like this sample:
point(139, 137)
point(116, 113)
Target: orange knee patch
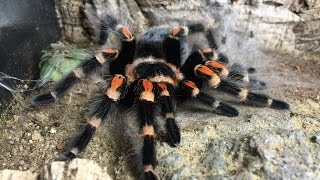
point(110, 51)
point(162, 86)
point(215, 64)
point(190, 84)
point(195, 89)
point(126, 32)
point(164, 90)
point(175, 31)
point(204, 70)
point(147, 93)
point(147, 85)
point(117, 81)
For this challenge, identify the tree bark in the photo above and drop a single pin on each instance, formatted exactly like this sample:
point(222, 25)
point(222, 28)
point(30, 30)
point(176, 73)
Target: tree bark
point(276, 25)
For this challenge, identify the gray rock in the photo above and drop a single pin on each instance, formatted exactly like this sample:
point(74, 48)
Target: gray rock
point(76, 169)
point(7, 174)
point(315, 139)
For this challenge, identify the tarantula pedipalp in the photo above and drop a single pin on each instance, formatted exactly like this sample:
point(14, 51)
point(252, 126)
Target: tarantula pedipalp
point(152, 72)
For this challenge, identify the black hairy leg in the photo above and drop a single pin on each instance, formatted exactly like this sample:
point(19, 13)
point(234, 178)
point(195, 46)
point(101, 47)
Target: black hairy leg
point(168, 108)
point(190, 90)
point(242, 93)
point(100, 108)
point(86, 68)
point(146, 106)
point(128, 45)
point(234, 72)
point(245, 95)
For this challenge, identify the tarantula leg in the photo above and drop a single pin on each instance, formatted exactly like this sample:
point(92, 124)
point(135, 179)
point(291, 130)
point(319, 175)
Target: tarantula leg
point(244, 95)
point(216, 106)
point(198, 27)
point(109, 22)
point(146, 113)
point(194, 59)
point(183, 31)
point(235, 72)
point(101, 107)
point(128, 47)
point(87, 67)
point(168, 106)
point(204, 72)
point(178, 32)
point(208, 57)
point(199, 57)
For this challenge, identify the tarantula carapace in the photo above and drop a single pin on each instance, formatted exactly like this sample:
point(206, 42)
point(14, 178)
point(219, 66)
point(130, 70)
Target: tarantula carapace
point(153, 71)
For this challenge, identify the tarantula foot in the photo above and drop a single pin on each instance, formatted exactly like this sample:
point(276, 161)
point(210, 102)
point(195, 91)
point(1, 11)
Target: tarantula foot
point(43, 99)
point(149, 176)
point(173, 133)
point(255, 84)
point(226, 109)
point(251, 70)
point(67, 156)
point(279, 105)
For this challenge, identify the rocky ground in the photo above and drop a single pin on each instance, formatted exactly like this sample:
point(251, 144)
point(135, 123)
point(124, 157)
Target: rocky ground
point(261, 143)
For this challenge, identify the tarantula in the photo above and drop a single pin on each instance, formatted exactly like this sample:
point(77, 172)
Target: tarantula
point(151, 72)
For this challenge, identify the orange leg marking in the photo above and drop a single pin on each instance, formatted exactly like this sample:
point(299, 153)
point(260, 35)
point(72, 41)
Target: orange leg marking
point(190, 84)
point(147, 85)
point(126, 32)
point(164, 90)
point(162, 86)
point(195, 89)
point(175, 31)
point(215, 64)
point(110, 51)
point(204, 70)
point(117, 81)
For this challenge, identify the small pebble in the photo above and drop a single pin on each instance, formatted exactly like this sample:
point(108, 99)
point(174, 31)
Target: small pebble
point(53, 130)
point(59, 147)
point(315, 139)
point(36, 135)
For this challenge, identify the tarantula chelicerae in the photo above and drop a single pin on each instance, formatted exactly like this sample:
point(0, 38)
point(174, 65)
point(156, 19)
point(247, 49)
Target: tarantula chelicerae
point(152, 72)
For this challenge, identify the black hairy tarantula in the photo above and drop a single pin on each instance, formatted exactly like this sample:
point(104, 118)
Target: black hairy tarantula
point(151, 72)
